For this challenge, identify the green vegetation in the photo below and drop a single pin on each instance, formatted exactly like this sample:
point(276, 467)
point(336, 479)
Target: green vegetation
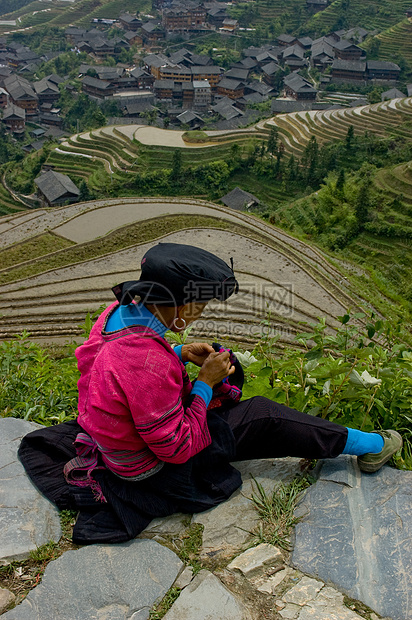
point(195, 136)
point(360, 376)
point(160, 609)
point(35, 385)
point(31, 249)
point(276, 512)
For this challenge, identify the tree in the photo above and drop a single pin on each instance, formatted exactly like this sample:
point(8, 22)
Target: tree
point(176, 172)
point(340, 181)
point(349, 138)
point(272, 144)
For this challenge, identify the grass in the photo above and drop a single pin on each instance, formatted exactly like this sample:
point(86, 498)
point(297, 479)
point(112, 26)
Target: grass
point(160, 609)
point(34, 248)
point(277, 511)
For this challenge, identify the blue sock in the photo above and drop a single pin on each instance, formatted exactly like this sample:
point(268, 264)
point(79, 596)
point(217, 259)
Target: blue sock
point(359, 443)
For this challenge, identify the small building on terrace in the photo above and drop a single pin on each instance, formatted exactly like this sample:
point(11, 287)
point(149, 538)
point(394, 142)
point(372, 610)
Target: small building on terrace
point(54, 188)
point(239, 199)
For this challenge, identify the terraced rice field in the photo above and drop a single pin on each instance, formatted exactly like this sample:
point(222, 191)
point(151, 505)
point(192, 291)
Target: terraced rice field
point(367, 14)
point(396, 41)
point(60, 13)
point(124, 149)
point(101, 243)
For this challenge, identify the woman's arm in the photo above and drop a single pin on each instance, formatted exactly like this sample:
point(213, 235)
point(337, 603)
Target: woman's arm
point(174, 430)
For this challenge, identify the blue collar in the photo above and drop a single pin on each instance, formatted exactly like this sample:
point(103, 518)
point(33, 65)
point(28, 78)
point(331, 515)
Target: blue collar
point(134, 314)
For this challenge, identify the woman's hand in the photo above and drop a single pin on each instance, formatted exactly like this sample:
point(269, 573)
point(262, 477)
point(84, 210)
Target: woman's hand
point(215, 368)
point(196, 352)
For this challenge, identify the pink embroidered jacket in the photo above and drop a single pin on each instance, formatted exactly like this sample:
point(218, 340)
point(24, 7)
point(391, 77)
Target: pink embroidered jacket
point(134, 400)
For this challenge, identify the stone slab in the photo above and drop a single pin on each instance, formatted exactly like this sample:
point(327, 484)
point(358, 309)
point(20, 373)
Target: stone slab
point(254, 560)
point(6, 599)
point(206, 598)
point(102, 582)
point(356, 532)
point(328, 605)
point(227, 527)
point(27, 519)
point(304, 591)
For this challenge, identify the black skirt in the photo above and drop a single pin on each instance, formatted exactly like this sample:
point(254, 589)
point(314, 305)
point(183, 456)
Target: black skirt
point(203, 482)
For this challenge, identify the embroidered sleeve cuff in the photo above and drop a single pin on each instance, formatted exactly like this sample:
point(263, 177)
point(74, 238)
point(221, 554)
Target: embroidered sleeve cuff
point(203, 390)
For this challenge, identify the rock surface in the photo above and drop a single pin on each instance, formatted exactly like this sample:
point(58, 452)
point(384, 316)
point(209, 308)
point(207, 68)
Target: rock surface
point(356, 532)
point(6, 599)
point(206, 598)
point(253, 561)
point(104, 582)
point(27, 519)
point(227, 527)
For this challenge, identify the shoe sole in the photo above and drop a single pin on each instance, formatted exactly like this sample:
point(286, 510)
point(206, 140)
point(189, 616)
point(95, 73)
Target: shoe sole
point(370, 468)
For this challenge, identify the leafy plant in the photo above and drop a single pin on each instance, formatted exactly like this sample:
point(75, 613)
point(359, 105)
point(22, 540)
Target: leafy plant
point(358, 376)
point(34, 386)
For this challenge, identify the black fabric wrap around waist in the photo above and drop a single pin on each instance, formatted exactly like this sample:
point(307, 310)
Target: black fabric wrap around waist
point(201, 483)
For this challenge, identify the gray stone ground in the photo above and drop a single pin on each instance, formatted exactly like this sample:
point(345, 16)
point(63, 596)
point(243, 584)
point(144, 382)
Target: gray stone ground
point(353, 538)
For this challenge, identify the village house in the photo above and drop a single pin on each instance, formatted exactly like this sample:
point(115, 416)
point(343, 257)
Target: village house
point(74, 34)
point(229, 25)
point(305, 43)
point(231, 88)
point(133, 38)
point(382, 71)
point(22, 94)
point(393, 93)
point(130, 22)
point(314, 6)
point(55, 188)
point(237, 74)
point(144, 80)
point(348, 70)
point(356, 35)
point(286, 40)
point(346, 50)
point(96, 88)
point(14, 119)
point(46, 91)
point(225, 109)
point(163, 89)
point(191, 119)
point(202, 94)
point(151, 33)
point(299, 88)
point(182, 18)
point(51, 119)
point(322, 54)
point(216, 16)
point(294, 57)
point(154, 62)
point(211, 73)
point(270, 73)
point(177, 73)
point(239, 200)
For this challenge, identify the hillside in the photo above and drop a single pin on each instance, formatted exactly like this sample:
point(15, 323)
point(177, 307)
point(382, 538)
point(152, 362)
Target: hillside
point(61, 263)
point(289, 15)
point(395, 42)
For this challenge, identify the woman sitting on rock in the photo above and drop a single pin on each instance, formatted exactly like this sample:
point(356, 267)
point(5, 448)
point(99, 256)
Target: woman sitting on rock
point(147, 442)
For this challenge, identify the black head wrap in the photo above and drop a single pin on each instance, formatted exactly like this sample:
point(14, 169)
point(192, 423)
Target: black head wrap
point(174, 274)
